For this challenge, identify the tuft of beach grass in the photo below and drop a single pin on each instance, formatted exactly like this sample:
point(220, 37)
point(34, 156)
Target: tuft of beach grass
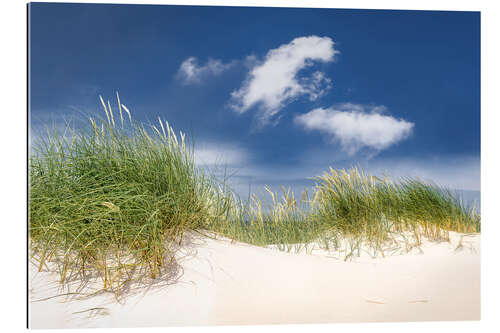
point(114, 198)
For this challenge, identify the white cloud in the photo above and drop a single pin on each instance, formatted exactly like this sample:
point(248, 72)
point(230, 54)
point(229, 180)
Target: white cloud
point(273, 83)
point(191, 72)
point(357, 126)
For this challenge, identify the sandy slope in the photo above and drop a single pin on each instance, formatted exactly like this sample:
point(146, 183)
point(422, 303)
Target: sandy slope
point(225, 283)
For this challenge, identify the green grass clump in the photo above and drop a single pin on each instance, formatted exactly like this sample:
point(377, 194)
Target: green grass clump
point(114, 198)
point(350, 210)
point(283, 221)
point(357, 204)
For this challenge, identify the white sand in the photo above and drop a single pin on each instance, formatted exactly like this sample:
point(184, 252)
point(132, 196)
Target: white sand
point(225, 283)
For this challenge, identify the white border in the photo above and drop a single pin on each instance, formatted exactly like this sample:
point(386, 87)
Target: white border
point(13, 131)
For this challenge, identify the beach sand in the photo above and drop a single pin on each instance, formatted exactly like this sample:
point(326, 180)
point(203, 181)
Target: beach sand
point(221, 282)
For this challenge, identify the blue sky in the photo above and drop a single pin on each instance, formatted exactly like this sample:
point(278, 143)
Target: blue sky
point(277, 94)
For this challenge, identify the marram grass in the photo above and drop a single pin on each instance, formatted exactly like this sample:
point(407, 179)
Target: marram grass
point(271, 218)
point(355, 202)
point(115, 198)
point(376, 211)
point(350, 210)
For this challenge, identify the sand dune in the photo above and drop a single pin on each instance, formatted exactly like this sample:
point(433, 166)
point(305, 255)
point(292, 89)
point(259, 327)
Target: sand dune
point(232, 283)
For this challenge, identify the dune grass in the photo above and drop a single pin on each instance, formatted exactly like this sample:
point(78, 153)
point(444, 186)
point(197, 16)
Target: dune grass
point(374, 210)
point(271, 218)
point(115, 197)
point(353, 209)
